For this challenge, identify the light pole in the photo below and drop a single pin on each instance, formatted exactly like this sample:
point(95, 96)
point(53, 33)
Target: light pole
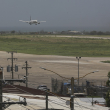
point(89, 73)
point(55, 73)
point(78, 68)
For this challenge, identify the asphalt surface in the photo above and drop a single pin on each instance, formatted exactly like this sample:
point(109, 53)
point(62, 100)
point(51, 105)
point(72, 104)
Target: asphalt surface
point(62, 65)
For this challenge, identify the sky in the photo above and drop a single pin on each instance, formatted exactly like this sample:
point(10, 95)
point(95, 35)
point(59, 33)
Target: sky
point(68, 14)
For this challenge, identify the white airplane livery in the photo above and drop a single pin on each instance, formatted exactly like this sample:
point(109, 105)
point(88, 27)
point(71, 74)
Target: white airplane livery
point(32, 21)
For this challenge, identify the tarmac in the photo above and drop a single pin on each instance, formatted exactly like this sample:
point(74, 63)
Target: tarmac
point(66, 66)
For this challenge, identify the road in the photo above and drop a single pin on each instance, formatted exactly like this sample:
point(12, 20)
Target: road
point(93, 37)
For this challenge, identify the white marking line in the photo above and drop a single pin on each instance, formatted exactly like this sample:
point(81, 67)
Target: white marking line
point(60, 61)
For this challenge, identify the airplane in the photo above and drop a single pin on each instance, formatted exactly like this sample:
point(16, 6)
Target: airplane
point(32, 21)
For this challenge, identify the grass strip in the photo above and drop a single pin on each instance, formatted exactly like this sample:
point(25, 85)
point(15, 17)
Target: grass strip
point(47, 45)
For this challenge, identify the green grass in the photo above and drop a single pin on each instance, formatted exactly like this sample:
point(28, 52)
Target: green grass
point(51, 45)
point(106, 61)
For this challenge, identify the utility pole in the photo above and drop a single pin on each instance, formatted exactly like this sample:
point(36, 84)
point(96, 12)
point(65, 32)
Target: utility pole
point(72, 94)
point(12, 62)
point(26, 73)
point(78, 68)
point(1, 77)
point(46, 101)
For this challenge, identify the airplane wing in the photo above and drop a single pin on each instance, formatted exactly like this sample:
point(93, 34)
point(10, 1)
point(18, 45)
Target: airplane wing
point(42, 21)
point(25, 21)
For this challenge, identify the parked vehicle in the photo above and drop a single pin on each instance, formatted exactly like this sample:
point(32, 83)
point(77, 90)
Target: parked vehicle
point(43, 88)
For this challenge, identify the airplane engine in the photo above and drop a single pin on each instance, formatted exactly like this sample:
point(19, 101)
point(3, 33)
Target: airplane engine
point(38, 22)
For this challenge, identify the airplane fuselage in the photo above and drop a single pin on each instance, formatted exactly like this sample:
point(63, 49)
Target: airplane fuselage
point(32, 21)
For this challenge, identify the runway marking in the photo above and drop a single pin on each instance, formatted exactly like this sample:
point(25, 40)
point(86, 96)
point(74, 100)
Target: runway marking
point(60, 61)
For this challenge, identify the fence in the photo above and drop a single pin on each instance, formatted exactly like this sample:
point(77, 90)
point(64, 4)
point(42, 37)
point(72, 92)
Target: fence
point(91, 88)
point(57, 85)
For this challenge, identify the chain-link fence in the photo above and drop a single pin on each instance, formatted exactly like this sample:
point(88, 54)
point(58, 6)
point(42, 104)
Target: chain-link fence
point(56, 85)
point(89, 88)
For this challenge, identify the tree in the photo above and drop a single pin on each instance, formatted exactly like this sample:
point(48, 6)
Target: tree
point(100, 33)
point(93, 33)
point(107, 98)
point(108, 74)
point(13, 32)
point(108, 82)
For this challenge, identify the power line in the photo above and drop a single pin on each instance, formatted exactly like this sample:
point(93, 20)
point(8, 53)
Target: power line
point(36, 105)
point(9, 100)
point(70, 101)
point(59, 104)
point(21, 105)
point(60, 98)
point(20, 89)
point(57, 96)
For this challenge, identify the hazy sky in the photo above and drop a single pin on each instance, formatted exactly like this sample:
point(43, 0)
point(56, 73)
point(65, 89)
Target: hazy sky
point(56, 13)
